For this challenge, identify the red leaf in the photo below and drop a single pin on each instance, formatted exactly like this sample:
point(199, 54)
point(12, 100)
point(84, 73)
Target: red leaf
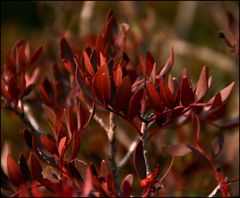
point(135, 103)
point(133, 75)
point(186, 92)
point(153, 73)
point(233, 27)
point(66, 53)
point(154, 97)
point(72, 120)
point(88, 183)
point(14, 172)
point(62, 146)
point(88, 64)
point(81, 116)
point(123, 94)
point(126, 186)
point(35, 55)
point(149, 63)
point(24, 167)
point(47, 92)
point(217, 101)
point(102, 86)
point(27, 135)
point(177, 150)
point(48, 144)
point(76, 144)
point(217, 144)
point(118, 76)
point(100, 44)
point(67, 64)
point(226, 92)
point(168, 65)
point(166, 95)
point(196, 127)
point(139, 162)
point(202, 84)
point(104, 169)
point(35, 168)
point(5, 92)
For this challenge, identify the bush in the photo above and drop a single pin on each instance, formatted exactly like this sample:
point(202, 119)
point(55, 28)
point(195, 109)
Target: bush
point(145, 99)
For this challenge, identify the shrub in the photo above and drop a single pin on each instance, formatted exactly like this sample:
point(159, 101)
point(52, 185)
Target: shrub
point(147, 98)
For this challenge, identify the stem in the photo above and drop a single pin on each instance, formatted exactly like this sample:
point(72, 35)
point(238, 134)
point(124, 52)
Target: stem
point(111, 137)
point(144, 143)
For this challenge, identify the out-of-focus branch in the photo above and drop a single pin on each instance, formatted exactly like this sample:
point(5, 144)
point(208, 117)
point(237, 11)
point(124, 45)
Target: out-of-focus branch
point(185, 12)
point(129, 153)
point(205, 54)
point(85, 18)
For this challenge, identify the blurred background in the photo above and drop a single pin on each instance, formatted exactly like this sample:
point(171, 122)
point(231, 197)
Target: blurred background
point(191, 28)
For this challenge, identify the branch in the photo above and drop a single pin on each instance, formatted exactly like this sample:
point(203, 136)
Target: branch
point(111, 137)
point(144, 143)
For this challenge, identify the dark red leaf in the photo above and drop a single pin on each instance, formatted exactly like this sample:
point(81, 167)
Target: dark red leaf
point(67, 64)
point(177, 149)
point(29, 89)
point(35, 168)
point(47, 92)
point(102, 86)
point(14, 172)
point(83, 87)
point(233, 27)
point(196, 127)
point(186, 91)
point(149, 63)
point(133, 75)
point(123, 94)
point(135, 103)
point(88, 64)
point(24, 167)
point(100, 44)
point(166, 95)
point(202, 84)
point(168, 65)
point(139, 162)
point(154, 97)
point(110, 29)
point(66, 53)
point(217, 144)
point(48, 144)
point(27, 135)
point(35, 55)
point(126, 186)
point(76, 144)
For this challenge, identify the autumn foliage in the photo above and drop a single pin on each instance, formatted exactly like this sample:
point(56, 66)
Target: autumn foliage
point(102, 75)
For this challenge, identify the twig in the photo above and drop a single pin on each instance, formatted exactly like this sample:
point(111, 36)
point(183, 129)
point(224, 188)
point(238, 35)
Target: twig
point(144, 143)
point(216, 189)
point(112, 153)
